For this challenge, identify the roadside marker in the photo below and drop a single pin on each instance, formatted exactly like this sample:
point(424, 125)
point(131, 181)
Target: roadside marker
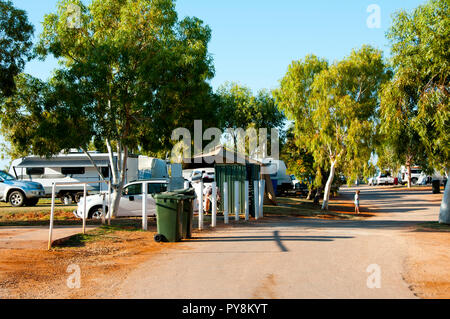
point(144, 207)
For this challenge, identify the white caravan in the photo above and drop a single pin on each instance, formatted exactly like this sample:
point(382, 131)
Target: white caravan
point(76, 167)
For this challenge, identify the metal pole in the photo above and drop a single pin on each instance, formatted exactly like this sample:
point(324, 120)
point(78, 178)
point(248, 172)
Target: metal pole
point(225, 202)
point(103, 208)
point(84, 210)
point(214, 205)
point(247, 217)
point(261, 194)
point(200, 207)
point(109, 203)
point(236, 200)
point(52, 214)
point(256, 198)
point(144, 206)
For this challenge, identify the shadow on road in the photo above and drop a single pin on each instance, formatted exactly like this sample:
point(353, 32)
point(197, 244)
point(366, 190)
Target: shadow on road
point(276, 237)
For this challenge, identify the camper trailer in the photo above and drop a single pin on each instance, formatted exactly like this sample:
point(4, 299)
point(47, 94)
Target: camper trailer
point(76, 167)
point(73, 167)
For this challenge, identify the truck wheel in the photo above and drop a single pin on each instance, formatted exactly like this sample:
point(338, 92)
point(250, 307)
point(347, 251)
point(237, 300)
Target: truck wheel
point(96, 212)
point(17, 199)
point(414, 180)
point(159, 238)
point(32, 201)
point(67, 197)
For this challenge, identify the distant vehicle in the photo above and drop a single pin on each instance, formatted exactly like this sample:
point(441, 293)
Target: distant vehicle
point(385, 179)
point(19, 193)
point(130, 203)
point(416, 171)
point(427, 179)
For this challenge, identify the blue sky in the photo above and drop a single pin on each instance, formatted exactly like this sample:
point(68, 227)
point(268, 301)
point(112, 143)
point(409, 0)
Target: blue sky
point(253, 41)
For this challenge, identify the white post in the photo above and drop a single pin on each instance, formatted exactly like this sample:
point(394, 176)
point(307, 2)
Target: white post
point(225, 202)
point(200, 207)
point(103, 208)
point(144, 206)
point(261, 195)
point(186, 184)
point(236, 200)
point(52, 214)
point(247, 217)
point(84, 209)
point(214, 205)
point(109, 203)
point(256, 198)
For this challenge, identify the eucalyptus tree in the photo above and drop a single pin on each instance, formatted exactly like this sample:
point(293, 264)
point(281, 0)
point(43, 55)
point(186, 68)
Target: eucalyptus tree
point(421, 60)
point(130, 73)
point(334, 109)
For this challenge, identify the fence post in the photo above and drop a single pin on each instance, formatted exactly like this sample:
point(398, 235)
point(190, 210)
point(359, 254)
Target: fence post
point(214, 205)
point(225, 202)
point(247, 217)
point(236, 200)
point(84, 208)
point(144, 206)
point(200, 207)
point(109, 203)
point(52, 214)
point(261, 195)
point(256, 198)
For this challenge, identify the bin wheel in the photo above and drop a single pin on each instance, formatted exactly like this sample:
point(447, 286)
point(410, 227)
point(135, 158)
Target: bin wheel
point(159, 238)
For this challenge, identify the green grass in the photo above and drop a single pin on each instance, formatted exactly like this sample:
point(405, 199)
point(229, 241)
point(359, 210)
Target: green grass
point(433, 226)
point(105, 232)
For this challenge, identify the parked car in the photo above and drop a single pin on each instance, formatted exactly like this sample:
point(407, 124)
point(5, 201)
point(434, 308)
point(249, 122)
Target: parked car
point(19, 193)
point(385, 179)
point(130, 203)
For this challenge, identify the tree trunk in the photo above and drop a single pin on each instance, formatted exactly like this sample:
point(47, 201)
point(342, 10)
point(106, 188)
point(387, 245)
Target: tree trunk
point(444, 214)
point(326, 195)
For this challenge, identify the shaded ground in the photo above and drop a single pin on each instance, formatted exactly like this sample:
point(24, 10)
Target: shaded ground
point(305, 256)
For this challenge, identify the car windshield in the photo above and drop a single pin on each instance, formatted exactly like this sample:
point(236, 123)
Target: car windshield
point(5, 176)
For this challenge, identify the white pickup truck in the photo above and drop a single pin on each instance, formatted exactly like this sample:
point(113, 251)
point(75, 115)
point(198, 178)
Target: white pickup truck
point(130, 203)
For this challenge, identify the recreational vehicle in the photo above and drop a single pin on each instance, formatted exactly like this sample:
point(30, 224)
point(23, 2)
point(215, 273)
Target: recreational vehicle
point(76, 167)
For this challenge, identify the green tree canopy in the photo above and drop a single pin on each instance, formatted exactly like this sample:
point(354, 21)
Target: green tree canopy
point(15, 45)
point(421, 59)
point(334, 109)
point(131, 72)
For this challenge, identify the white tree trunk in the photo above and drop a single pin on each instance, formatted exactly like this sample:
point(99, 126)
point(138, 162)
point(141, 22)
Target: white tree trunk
point(326, 195)
point(119, 169)
point(444, 214)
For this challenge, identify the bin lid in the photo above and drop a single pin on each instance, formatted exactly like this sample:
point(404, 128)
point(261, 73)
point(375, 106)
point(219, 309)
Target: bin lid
point(169, 195)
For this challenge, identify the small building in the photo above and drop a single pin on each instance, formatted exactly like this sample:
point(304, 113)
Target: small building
point(230, 166)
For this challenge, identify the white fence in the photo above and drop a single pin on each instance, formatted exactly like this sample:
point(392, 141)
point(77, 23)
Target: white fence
point(52, 211)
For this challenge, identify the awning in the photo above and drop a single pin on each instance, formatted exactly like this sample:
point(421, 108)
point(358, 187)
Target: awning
point(29, 162)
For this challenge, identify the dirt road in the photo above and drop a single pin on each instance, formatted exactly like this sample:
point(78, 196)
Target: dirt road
point(294, 257)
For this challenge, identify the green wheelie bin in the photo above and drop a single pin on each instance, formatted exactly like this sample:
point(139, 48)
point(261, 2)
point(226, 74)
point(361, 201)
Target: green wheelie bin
point(188, 196)
point(169, 209)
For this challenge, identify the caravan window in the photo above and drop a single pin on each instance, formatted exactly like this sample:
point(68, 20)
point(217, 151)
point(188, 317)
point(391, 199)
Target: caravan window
point(72, 170)
point(105, 172)
point(35, 171)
